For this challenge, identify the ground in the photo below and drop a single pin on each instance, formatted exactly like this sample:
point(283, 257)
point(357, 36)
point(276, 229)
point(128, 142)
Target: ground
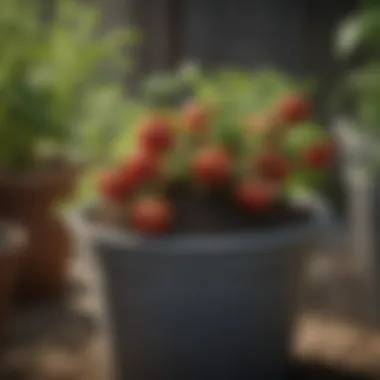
point(69, 338)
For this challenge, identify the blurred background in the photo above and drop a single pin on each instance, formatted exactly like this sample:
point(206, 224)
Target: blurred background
point(75, 78)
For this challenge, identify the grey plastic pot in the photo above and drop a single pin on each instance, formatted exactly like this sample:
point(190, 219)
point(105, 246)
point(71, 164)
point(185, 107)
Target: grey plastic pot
point(205, 307)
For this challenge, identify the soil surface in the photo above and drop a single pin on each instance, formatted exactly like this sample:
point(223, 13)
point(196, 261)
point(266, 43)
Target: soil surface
point(216, 211)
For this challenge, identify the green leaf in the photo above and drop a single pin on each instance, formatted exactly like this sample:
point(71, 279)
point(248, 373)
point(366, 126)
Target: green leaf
point(301, 136)
point(308, 179)
point(348, 37)
point(190, 73)
point(359, 30)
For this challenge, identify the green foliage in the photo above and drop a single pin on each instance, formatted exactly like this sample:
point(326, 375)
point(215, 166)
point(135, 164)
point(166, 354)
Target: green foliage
point(239, 91)
point(242, 91)
point(360, 35)
point(359, 31)
point(235, 95)
point(126, 139)
point(299, 138)
point(303, 135)
point(58, 79)
point(162, 89)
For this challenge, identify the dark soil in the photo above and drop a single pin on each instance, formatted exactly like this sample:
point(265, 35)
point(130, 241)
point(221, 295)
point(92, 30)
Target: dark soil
point(208, 212)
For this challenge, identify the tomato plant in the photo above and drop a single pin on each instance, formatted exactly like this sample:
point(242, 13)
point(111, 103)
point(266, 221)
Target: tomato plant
point(250, 135)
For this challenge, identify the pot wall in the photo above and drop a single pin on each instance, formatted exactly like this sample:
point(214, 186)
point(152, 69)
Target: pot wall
point(201, 316)
point(202, 308)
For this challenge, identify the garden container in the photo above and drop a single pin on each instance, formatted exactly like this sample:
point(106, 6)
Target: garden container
point(12, 244)
point(216, 306)
point(29, 199)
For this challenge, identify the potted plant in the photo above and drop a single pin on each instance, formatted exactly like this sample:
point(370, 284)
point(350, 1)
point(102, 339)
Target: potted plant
point(12, 244)
point(198, 234)
point(50, 72)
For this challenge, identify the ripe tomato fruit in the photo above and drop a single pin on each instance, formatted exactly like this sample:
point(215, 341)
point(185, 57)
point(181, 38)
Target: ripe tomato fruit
point(140, 167)
point(254, 195)
point(151, 215)
point(157, 134)
point(195, 117)
point(293, 109)
point(112, 185)
point(212, 166)
point(272, 166)
point(319, 156)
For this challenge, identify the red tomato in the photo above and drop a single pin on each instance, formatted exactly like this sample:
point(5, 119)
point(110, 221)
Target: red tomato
point(256, 195)
point(157, 134)
point(140, 167)
point(293, 109)
point(272, 166)
point(212, 166)
point(195, 117)
point(113, 186)
point(319, 156)
point(151, 215)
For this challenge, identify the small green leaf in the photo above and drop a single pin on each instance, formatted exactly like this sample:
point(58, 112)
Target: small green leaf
point(301, 136)
point(359, 30)
point(348, 37)
point(308, 179)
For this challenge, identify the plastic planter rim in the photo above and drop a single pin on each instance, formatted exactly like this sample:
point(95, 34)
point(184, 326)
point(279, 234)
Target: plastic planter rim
point(321, 223)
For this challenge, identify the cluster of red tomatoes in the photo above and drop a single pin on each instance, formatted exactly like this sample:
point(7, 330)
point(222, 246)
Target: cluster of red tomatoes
point(211, 166)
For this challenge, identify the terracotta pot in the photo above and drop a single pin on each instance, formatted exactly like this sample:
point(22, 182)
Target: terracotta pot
point(28, 198)
point(12, 244)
